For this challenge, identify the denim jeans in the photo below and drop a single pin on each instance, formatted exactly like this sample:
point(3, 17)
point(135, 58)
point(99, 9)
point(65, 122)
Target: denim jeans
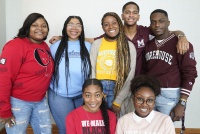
point(61, 106)
point(108, 89)
point(167, 100)
point(35, 113)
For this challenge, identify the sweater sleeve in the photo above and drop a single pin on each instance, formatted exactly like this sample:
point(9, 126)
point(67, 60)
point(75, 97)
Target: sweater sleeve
point(124, 92)
point(93, 56)
point(11, 60)
point(188, 71)
point(169, 126)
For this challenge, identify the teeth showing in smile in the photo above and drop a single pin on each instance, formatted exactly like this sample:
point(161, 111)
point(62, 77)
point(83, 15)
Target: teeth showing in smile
point(73, 33)
point(143, 110)
point(92, 105)
point(112, 31)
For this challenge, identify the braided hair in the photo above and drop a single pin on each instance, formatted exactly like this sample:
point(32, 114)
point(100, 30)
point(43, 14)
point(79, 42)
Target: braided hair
point(103, 106)
point(122, 54)
point(63, 49)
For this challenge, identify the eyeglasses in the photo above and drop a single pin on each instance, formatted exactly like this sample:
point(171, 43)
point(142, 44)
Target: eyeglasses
point(77, 26)
point(140, 101)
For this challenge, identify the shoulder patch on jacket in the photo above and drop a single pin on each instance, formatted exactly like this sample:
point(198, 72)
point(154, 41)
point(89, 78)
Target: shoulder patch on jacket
point(3, 61)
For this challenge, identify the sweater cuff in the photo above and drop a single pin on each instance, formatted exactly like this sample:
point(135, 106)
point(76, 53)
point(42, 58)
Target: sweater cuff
point(116, 104)
point(185, 92)
point(6, 114)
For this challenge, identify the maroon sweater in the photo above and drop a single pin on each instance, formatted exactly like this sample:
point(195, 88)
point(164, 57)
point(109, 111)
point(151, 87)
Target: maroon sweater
point(25, 72)
point(171, 69)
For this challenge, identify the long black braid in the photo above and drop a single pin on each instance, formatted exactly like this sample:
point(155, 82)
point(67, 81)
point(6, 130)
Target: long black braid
point(103, 107)
point(62, 51)
point(105, 116)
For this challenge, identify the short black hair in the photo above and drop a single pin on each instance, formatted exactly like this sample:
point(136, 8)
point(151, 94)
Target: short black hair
point(145, 81)
point(160, 11)
point(130, 3)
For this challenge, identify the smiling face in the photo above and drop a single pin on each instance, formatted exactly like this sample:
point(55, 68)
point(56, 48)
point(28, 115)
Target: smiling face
point(38, 31)
point(110, 26)
point(147, 95)
point(130, 15)
point(92, 97)
point(74, 29)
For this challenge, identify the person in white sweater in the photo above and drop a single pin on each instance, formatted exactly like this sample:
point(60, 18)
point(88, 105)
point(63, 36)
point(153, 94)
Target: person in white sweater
point(144, 120)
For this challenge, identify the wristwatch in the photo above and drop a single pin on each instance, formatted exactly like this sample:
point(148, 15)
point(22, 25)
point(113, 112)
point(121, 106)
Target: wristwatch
point(182, 102)
point(181, 35)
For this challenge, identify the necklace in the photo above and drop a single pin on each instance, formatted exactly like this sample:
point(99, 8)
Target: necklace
point(161, 43)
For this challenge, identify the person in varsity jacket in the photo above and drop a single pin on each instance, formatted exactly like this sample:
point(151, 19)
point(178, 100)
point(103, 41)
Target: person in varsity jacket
point(26, 67)
point(175, 72)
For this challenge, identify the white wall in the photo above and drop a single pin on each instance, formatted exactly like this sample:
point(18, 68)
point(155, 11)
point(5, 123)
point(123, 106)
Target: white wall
point(184, 15)
point(2, 24)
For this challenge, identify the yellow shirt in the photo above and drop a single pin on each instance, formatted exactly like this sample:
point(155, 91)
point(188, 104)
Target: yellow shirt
point(106, 61)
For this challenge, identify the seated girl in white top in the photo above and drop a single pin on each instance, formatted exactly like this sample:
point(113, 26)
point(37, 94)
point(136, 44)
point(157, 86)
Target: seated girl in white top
point(144, 120)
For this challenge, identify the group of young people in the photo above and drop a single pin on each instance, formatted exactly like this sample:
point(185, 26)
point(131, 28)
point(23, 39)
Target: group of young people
point(90, 86)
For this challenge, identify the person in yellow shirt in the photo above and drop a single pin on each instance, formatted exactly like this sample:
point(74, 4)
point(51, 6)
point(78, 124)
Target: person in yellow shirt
point(113, 60)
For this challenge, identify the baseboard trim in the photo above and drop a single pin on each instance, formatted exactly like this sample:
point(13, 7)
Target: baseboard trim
point(55, 130)
point(189, 130)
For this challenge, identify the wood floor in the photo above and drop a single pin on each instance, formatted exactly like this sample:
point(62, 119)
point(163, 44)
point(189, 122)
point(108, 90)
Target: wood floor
point(55, 130)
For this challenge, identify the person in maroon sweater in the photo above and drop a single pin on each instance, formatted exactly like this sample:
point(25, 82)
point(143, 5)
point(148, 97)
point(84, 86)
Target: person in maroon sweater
point(175, 72)
point(93, 117)
point(26, 67)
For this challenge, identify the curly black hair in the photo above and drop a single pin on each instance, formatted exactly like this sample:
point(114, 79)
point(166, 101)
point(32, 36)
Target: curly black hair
point(145, 81)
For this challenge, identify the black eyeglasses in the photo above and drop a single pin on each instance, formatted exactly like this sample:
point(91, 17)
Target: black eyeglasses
point(140, 100)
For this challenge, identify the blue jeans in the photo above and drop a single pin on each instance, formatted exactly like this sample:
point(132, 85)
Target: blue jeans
point(108, 89)
point(35, 113)
point(167, 100)
point(61, 106)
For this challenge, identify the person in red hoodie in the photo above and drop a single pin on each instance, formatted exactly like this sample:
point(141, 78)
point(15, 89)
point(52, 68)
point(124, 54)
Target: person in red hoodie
point(26, 67)
point(93, 117)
